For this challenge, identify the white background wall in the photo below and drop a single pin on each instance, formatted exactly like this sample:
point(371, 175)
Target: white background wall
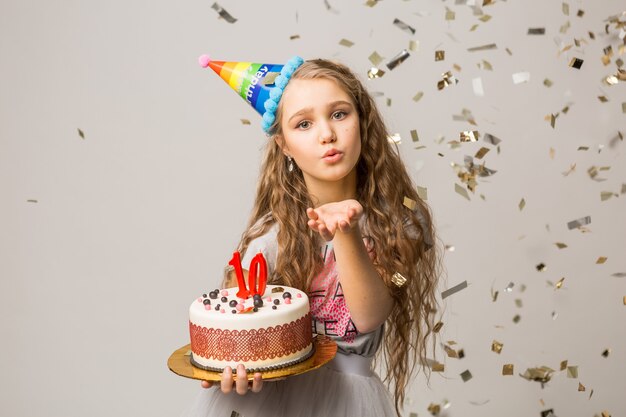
point(136, 219)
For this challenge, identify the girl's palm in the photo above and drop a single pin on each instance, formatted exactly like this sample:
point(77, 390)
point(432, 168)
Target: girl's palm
point(328, 218)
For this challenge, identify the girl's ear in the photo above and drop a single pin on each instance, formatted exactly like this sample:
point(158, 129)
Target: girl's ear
point(280, 141)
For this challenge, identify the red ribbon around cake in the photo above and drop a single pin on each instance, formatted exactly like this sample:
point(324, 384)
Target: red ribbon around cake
point(258, 266)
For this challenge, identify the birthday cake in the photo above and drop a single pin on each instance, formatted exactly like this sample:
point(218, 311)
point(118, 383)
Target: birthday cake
point(267, 329)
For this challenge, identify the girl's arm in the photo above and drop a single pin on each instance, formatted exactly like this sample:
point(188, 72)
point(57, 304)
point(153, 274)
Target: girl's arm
point(366, 294)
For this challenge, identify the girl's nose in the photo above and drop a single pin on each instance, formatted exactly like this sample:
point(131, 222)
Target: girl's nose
point(327, 135)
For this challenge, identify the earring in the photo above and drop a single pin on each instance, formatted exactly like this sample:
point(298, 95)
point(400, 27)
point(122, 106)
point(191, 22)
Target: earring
point(289, 164)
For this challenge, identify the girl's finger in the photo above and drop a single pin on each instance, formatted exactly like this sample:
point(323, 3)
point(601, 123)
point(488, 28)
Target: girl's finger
point(227, 380)
point(257, 383)
point(312, 214)
point(242, 380)
point(206, 384)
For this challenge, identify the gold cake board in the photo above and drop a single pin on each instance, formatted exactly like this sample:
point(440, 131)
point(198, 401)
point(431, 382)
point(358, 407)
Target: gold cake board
point(325, 348)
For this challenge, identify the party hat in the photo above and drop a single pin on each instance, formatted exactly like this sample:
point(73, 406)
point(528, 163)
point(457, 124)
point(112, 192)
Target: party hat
point(261, 85)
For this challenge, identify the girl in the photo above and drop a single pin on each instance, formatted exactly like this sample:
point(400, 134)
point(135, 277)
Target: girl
point(332, 180)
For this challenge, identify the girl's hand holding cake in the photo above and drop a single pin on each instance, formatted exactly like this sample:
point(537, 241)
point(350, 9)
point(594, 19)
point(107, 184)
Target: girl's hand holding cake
point(241, 385)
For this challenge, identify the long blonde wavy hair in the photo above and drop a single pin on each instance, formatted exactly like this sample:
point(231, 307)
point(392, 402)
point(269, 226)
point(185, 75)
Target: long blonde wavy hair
point(404, 238)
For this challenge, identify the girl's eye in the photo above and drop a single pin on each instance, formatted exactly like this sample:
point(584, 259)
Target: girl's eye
point(341, 114)
point(303, 124)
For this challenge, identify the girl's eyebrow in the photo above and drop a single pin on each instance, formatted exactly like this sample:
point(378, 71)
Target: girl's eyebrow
point(309, 109)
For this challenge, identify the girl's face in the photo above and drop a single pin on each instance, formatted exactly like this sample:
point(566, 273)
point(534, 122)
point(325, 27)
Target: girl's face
point(320, 129)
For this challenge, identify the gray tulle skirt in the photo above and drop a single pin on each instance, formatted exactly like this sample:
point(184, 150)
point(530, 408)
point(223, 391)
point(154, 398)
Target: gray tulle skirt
point(333, 390)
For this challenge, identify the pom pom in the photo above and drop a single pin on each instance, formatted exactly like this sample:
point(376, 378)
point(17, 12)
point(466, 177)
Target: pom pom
point(270, 105)
point(281, 82)
point(276, 94)
point(204, 60)
point(266, 127)
point(269, 118)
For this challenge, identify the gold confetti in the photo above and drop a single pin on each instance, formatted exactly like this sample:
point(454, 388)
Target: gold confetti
point(486, 65)
point(485, 18)
point(496, 346)
point(414, 45)
point(482, 47)
point(449, 248)
point(440, 55)
point(398, 59)
point(583, 221)
point(547, 83)
point(601, 260)
point(411, 204)
point(481, 153)
point(466, 375)
point(487, 2)
point(447, 79)
point(542, 374)
point(223, 13)
point(603, 99)
point(398, 279)
point(507, 369)
point(438, 327)
point(422, 192)
point(563, 365)
point(414, 136)
point(294, 37)
point(278, 289)
point(508, 51)
point(434, 409)
point(477, 86)
point(521, 77)
point(553, 120)
point(606, 353)
point(188, 353)
point(559, 284)
point(489, 138)
point(509, 287)
point(437, 367)
point(518, 303)
point(541, 267)
point(371, 3)
point(469, 136)
point(450, 352)
point(235, 414)
point(418, 96)
point(449, 14)
point(565, 27)
point(346, 43)
point(375, 59)
point(581, 387)
point(572, 371)
point(516, 318)
point(548, 413)
point(404, 27)
point(625, 300)
point(245, 121)
point(474, 27)
point(565, 9)
point(521, 204)
point(624, 107)
point(453, 290)
point(576, 63)
point(536, 31)
point(605, 195)
point(81, 134)
point(560, 245)
point(31, 201)
point(395, 138)
point(375, 73)
point(462, 191)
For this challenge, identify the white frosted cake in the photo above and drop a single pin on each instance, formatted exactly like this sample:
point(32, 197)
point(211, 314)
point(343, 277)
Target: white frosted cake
point(263, 332)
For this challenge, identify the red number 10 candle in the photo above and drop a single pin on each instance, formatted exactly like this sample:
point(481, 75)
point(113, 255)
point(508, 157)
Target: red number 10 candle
point(258, 266)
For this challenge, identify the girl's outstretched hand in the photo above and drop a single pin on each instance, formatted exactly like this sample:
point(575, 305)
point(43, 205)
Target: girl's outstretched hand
point(241, 385)
point(330, 217)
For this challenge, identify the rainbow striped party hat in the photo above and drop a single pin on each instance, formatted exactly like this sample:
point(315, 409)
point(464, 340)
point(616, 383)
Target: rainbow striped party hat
point(261, 85)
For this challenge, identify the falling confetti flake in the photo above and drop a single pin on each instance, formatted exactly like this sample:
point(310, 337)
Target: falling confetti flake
point(583, 221)
point(403, 26)
point(462, 191)
point(536, 31)
point(542, 374)
point(81, 134)
point(483, 47)
point(469, 136)
point(447, 79)
point(541, 267)
point(507, 369)
point(559, 284)
point(346, 43)
point(601, 260)
point(496, 346)
point(466, 375)
point(576, 63)
point(398, 59)
point(375, 73)
point(521, 204)
point(454, 290)
point(375, 59)
point(411, 204)
point(440, 55)
point(223, 13)
point(572, 371)
point(245, 121)
point(521, 77)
